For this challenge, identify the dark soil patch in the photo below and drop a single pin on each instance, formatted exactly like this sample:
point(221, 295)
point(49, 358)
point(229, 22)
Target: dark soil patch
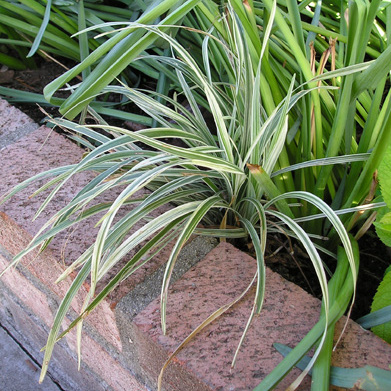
point(33, 80)
point(375, 257)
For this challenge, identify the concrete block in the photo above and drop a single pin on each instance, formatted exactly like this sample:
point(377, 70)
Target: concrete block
point(33, 284)
point(31, 333)
point(14, 359)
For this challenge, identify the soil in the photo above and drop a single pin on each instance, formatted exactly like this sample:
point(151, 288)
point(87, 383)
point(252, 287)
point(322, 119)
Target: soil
point(283, 257)
point(375, 257)
point(32, 80)
point(294, 265)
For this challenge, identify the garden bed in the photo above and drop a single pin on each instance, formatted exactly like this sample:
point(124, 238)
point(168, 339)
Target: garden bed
point(294, 266)
point(260, 116)
point(137, 349)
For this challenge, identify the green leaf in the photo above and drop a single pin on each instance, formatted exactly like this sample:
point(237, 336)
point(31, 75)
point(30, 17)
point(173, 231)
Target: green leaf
point(41, 32)
point(371, 77)
point(383, 227)
point(366, 378)
point(382, 299)
point(375, 318)
point(124, 48)
point(337, 309)
point(11, 62)
point(385, 177)
point(268, 187)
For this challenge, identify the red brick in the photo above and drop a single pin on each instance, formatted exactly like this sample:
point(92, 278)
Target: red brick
point(44, 149)
point(11, 118)
point(32, 297)
point(101, 362)
point(46, 269)
point(288, 314)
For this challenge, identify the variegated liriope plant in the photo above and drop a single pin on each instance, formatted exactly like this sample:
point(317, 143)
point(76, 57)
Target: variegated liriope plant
point(223, 177)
